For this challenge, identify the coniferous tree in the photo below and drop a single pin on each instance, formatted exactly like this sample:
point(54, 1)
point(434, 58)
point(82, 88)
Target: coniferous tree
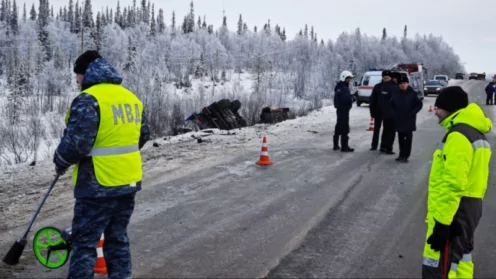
point(14, 20)
point(210, 29)
point(32, 13)
point(190, 25)
point(153, 29)
point(240, 25)
point(3, 10)
point(204, 24)
point(161, 21)
point(43, 18)
point(118, 19)
point(88, 15)
point(224, 22)
point(405, 32)
point(24, 13)
point(384, 34)
point(70, 15)
point(173, 25)
point(77, 18)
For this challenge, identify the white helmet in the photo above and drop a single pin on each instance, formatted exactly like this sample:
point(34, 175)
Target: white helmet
point(344, 75)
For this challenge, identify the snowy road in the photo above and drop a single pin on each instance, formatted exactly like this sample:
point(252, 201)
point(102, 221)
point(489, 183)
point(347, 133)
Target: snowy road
point(357, 214)
point(379, 230)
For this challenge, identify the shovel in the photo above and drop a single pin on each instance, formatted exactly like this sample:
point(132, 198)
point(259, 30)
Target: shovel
point(15, 252)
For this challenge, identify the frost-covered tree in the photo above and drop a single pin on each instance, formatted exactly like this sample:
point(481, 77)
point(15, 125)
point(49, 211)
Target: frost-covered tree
point(159, 64)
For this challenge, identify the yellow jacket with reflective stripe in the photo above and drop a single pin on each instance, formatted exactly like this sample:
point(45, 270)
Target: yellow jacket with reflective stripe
point(115, 154)
point(460, 166)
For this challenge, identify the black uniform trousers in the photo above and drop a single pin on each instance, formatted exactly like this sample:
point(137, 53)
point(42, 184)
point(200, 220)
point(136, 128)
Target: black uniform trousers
point(405, 142)
point(489, 99)
point(388, 133)
point(342, 127)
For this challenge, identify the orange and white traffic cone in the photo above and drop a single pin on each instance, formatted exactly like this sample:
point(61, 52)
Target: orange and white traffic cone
point(264, 156)
point(101, 265)
point(371, 126)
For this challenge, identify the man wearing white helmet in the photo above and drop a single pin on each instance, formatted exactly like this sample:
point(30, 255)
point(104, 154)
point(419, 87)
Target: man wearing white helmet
point(343, 101)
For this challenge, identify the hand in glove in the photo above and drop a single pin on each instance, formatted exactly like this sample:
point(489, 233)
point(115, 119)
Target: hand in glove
point(60, 170)
point(439, 237)
point(61, 165)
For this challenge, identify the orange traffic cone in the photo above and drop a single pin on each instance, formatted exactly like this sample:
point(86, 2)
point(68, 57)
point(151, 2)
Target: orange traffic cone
point(101, 265)
point(371, 126)
point(430, 108)
point(264, 156)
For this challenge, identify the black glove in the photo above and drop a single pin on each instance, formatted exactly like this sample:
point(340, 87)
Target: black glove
point(60, 170)
point(439, 237)
point(61, 165)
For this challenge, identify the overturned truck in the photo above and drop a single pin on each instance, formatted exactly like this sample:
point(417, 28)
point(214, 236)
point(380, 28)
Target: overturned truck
point(222, 115)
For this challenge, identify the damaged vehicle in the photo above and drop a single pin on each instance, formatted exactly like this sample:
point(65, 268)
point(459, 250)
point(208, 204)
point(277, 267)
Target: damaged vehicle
point(222, 115)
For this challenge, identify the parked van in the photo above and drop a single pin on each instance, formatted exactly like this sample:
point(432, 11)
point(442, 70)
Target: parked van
point(365, 86)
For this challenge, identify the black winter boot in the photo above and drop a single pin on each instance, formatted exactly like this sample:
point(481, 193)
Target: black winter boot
point(344, 145)
point(336, 143)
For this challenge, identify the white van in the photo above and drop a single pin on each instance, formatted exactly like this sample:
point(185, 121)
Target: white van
point(442, 78)
point(366, 85)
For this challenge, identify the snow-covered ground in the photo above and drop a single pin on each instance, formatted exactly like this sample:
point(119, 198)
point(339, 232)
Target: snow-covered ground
point(23, 185)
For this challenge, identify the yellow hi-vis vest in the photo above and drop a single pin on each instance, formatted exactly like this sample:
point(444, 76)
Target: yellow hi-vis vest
point(115, 154)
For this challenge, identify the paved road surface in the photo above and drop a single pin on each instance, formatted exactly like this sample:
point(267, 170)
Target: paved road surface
point(379, 230)
point(332, 214)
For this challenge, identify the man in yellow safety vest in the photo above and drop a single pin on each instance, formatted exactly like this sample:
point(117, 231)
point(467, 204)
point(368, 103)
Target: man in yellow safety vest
point(457, 185)
point(105, 129)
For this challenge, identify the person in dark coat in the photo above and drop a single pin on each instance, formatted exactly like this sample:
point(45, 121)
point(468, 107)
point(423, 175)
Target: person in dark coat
point(343, 102)
point(490, 88)
point(375, 111)
point(383, 108)
point(406, 105)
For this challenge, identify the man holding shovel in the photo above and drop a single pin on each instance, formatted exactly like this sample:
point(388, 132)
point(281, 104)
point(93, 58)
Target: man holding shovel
point(106, 128)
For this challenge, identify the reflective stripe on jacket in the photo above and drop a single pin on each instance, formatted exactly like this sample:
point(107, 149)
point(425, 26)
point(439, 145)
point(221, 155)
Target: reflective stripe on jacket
point(115, 154)
point(460, 165)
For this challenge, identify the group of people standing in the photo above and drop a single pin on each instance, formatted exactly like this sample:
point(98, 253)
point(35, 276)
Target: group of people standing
point(393, 105)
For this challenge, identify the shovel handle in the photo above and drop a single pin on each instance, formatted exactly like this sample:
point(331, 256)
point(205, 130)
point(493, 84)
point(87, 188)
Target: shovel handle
point(25, 235)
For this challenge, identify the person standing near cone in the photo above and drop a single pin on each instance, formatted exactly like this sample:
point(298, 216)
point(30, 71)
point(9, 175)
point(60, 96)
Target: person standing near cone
point(457, 185)
point(374, 107)
point(343, 102)
point(105, 130)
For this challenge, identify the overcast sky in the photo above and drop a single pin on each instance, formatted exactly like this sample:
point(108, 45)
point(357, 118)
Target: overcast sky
point(465, 25)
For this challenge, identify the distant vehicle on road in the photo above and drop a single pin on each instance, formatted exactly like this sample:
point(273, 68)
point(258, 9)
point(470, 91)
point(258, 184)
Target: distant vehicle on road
point(442, 78)
point(460, 76)
point(433, 87)
point(481, 76)
point(472, 76)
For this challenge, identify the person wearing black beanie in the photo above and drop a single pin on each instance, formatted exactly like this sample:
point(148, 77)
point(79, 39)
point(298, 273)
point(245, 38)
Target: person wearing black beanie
point(457, 185)
point(450, 100)
point(106, 128)
point(380, 111)
point(406, 105)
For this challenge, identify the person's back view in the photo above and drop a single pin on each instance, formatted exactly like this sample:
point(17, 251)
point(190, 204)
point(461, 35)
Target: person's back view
point(106, 128)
